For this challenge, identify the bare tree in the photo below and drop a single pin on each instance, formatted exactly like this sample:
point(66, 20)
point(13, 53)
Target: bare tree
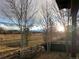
point(48, 27)
point(65, 18)
point(22, 11)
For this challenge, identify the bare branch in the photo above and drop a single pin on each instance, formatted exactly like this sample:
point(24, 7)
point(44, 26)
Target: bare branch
point(8, 16)
point(19, 11)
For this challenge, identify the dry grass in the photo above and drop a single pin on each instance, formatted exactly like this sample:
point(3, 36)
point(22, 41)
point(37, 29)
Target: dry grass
point(53, 55)
point(9, 36)
point(34, 38)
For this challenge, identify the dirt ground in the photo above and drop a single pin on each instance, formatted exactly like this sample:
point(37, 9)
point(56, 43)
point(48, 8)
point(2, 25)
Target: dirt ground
point(53, 55)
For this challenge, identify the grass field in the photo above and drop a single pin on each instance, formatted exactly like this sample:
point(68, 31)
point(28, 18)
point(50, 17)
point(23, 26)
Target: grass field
point(34, 39)
point(14, 39)
point(9, 36)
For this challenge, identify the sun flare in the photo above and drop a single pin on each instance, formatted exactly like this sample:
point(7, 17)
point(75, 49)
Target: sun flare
point(60, 28)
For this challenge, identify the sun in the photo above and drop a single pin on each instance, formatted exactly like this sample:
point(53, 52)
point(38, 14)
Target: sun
point(60, 28)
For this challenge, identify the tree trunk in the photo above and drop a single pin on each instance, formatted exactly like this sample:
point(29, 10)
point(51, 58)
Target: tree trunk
point(74, 11)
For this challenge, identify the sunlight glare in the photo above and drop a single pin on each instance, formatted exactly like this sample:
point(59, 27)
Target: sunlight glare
point(60, 28)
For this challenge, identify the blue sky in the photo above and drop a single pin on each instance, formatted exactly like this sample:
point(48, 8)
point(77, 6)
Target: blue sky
point(9, 25)
point(5, 20)
point(38, 19)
